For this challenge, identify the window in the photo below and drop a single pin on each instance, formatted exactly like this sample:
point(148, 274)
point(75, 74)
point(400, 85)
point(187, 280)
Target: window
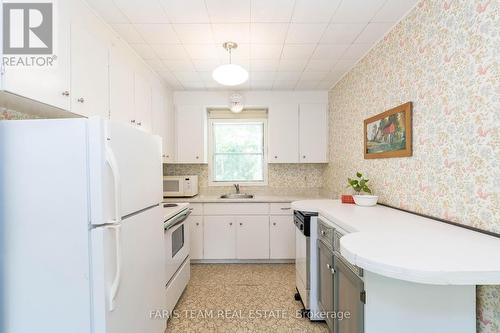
point(237, 151)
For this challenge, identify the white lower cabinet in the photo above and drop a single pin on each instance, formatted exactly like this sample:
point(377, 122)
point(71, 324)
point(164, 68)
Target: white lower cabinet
point(219, 237)
point(196, 236)
point(252, 237)
point(281, 237)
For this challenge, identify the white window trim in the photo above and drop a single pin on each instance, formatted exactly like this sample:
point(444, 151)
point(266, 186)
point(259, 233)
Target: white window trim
point(211, 181)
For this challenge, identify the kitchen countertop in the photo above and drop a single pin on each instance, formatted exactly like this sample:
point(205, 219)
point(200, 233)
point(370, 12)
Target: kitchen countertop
point(213, 198)
point(409, 247)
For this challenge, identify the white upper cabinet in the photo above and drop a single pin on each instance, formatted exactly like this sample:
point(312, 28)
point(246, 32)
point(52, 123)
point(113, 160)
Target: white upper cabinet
point(191, 134)
point(283, 133)
point(142, 100)
point(170, 146)
point(47, 84)
point(89, 72)
point(121, 84)
point(159, 114)
point(313, 138)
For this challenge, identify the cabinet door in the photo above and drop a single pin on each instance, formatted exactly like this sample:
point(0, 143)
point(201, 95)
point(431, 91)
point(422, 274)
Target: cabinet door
point(159, 114)
point(89, 72)
point(283, 133)
point(252, 237)
point(219, 237)
point(191, 134)
point(47, 84)
point(196, 236)
point(121, 85)
point(313, 137)
point(282, 237)
point(325, 282)
point(170, 128)
point(142, 100)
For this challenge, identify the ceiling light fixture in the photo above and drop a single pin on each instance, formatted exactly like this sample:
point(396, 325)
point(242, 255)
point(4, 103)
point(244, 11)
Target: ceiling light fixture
point(230, 74)
point(236, 103)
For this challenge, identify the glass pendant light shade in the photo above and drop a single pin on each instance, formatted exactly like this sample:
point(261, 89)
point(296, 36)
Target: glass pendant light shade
point(230, 74)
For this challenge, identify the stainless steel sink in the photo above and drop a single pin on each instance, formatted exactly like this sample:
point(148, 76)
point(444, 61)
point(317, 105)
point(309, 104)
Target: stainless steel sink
point(237, 196)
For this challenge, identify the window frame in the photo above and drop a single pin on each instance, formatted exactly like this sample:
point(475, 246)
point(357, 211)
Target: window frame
point(211, 155)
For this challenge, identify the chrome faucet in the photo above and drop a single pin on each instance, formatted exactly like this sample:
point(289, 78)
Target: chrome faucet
point(237, 187)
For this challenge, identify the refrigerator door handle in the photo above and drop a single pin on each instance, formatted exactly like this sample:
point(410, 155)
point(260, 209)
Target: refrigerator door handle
point(111, 160)
point(115, 285)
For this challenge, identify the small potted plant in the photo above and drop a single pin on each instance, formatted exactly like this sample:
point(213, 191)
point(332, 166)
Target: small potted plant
point(360, 185)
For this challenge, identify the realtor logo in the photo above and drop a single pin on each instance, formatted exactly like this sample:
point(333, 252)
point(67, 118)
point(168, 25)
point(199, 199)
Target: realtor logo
point(27, 28)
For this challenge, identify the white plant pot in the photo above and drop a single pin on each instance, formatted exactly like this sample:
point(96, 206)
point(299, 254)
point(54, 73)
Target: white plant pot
point(365, 200)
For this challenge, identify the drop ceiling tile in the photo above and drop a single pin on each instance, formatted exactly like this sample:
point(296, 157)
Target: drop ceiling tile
point(319, 65)
point(329, 51)
point(261, 85)
point(265, 51)
point(272, 11)
point(357, 11)
point(344, 65)
point(306, 85)
point(284, 84)
point(128, 33)
point(304, 33)
point(262, 76)
point(287, 76)
point(194, 33)
point(342, 33)
point(264, 64)
point(144, 50)
point(193, 84)
point(109, 11)
point(373, 32)
point(268, 33)
point(292, 65)
point(156, 64)
point(211, 84)
point(170, 51)
point(157, 33)
point(325, 85)
point(234, 32)
point(142, 11)
point(314, 10)
point(202, 51)
point(205, 75)
point(178, 65)
point(169, 77)
point(228, 11)
point(205, 65)
point(394, 10)
point(297, 51)
point(313, 76)
point(356, 51)
point(184, 76)
point(182, 11)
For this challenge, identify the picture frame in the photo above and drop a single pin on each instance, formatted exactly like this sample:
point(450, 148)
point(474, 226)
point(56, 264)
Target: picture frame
point(389, 134)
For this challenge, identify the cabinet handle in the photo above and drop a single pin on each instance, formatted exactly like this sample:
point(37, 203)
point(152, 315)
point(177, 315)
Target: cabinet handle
point(80, 100)
point(197, 223)
point(304, 156)
point(197, 157)
point(133, 121)
point(139, 123)
point(65, 93)
point(241, 223)
point(323, 233)
point(332, 270)
point(328, 266)
point(274, 223)
point(275, 156)
point(163, 155)
point(230, 223)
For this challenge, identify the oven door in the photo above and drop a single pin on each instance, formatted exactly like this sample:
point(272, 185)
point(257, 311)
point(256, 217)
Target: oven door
point(176, 242)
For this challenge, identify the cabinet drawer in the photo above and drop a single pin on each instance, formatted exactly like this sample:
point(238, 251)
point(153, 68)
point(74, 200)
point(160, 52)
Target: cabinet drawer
point(251, 208)
point(281, 208)
point(197, 208)
point(325, 233)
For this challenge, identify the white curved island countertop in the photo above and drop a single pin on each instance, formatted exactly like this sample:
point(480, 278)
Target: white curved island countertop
point(409, 247)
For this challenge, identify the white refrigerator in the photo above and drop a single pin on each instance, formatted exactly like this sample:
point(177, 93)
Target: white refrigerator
point(81, 227)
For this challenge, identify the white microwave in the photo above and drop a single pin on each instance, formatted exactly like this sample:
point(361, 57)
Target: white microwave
point(180, 186)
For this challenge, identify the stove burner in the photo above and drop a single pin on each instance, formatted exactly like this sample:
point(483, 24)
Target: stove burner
point(167, 205)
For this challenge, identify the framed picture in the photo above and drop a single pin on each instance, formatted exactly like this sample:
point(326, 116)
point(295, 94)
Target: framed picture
point(389, 134)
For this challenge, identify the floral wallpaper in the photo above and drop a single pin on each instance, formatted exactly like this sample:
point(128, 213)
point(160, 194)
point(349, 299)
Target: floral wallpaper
point(443, 57)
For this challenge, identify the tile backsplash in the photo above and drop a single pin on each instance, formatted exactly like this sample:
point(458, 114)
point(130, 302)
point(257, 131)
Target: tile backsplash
point(443, 57)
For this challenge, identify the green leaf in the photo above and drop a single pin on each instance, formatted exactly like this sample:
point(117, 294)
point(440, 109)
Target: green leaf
point(366, 189)
point(362, 182)
point(359, 175)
